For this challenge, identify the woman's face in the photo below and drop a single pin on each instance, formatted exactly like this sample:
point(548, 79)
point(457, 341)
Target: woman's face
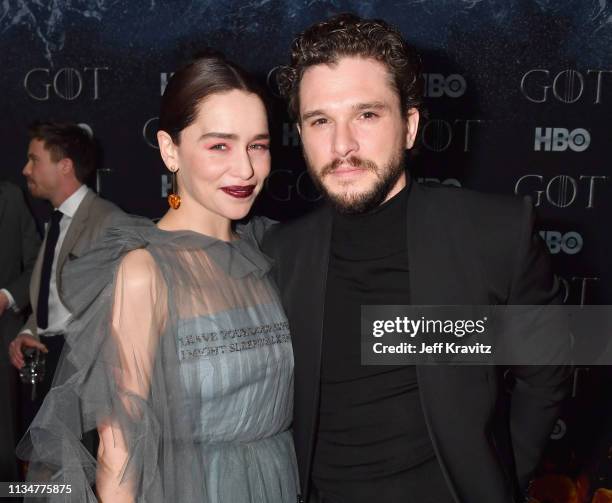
point(223, 157)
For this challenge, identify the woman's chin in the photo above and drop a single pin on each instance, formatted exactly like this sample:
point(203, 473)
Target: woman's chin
point(237, 213)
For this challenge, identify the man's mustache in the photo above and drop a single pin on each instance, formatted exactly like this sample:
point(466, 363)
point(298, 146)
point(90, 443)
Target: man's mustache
point(353, 161)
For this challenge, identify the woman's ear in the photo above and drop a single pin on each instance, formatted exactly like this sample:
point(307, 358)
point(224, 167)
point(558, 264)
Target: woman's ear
point(168, 150)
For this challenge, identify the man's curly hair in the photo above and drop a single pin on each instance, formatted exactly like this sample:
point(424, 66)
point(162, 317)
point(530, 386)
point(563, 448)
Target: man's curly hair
point(349, 35)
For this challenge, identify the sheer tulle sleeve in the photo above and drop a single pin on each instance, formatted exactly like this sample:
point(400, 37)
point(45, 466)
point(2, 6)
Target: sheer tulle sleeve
point(119, 375)
point(137, 320)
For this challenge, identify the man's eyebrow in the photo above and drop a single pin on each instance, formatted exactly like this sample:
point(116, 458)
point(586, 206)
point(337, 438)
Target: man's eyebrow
point(377, 105)
point(312, 113)
point(261, 136)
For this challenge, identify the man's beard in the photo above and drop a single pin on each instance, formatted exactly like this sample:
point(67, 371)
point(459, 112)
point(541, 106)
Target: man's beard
point(355, 204)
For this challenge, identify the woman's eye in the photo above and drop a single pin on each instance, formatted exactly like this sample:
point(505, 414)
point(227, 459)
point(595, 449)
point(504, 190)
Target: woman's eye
point(259, 146)
point(219, 146)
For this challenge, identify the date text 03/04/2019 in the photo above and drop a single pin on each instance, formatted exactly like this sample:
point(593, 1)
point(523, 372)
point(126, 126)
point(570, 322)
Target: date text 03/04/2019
point(436, 348)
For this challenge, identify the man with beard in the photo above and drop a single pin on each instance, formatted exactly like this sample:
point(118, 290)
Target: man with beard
point(423, 434)
point(61, 159)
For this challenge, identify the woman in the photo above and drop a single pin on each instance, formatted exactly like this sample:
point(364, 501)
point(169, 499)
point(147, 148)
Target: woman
point(179, 353)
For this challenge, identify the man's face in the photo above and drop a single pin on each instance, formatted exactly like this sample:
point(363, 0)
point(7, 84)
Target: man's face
point(353, 133)
point(43, 175)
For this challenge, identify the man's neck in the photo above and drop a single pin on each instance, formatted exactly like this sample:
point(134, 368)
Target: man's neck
point(57, 199)
point(396, 189)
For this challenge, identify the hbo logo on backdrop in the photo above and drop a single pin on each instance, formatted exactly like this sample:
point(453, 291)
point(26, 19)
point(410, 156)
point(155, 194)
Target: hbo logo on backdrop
point(558, 139)
point(557, 242)
point(437, 85)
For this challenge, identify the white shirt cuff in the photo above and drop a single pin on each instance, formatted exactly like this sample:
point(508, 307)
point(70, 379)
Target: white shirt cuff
point(11, 299)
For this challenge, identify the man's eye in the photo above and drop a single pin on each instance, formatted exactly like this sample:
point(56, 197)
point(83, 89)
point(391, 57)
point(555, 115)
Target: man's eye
point(219, 146)
point(369, 115)
point(319, 122)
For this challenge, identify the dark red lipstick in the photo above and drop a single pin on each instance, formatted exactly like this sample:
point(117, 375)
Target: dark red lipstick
point(239, 191)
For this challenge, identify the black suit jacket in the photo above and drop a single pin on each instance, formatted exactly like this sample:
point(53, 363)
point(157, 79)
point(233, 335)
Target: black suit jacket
point(20, 244)
point(17, 256)
point(464, 248)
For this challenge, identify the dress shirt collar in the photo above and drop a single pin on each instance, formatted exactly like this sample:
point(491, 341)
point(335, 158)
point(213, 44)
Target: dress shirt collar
point(71, 205)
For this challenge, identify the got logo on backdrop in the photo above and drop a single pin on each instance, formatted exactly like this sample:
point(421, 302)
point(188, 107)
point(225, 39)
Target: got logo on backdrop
point(579, 290)
point(149, 132)
point(438, 135)
point(283, 184)
point(563, 191)
point(69, 84)
point(164, 77)
point(540, 85)
point(149, 128)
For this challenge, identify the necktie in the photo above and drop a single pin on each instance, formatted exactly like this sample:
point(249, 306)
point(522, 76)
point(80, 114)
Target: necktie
point(42, 308)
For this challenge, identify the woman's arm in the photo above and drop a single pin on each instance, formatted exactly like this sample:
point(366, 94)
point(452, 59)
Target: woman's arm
point(138, 316)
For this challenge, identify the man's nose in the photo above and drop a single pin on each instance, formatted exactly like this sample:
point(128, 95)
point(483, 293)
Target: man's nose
point(344, 141)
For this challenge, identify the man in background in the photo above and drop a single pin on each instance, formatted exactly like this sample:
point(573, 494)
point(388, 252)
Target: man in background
point(17, 256)
point(61, 158)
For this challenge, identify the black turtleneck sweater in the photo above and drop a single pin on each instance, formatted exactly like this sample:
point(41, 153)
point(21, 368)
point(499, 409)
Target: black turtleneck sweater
point(371, 425)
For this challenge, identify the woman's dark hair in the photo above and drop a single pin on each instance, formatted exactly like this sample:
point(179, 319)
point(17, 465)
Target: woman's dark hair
point(347, 35)
point(207, 74)
point(67, 140)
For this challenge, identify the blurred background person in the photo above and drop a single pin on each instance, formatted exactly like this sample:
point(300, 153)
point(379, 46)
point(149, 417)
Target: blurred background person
point(61, 158)
point(17, 256)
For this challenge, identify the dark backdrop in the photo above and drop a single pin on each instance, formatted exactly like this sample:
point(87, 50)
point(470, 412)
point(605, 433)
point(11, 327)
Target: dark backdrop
point(519, 98)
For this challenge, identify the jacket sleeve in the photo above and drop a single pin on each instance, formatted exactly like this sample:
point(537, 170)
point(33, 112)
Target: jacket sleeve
point(30, 244)
point(539, 390)
point(30, 326)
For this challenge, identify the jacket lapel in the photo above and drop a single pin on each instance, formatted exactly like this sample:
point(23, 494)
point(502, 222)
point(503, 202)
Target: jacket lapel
point(444, 272)
point(305, 302)
point(78, 224)
point(429, 285)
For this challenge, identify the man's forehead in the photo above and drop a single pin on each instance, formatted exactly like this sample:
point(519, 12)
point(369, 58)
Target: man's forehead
point(347, 66)
point(347, 83)
point(38, 146)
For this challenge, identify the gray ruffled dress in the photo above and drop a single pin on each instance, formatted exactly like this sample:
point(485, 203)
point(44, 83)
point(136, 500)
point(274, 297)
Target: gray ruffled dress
point(179, 347)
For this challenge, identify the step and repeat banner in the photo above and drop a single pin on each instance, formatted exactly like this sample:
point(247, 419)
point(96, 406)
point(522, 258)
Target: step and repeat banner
point(519, 99)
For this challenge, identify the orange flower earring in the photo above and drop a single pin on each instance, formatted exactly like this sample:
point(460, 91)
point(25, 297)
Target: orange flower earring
point(174, 200)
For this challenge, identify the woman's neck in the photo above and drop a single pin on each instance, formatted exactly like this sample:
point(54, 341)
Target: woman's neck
point(212, 225)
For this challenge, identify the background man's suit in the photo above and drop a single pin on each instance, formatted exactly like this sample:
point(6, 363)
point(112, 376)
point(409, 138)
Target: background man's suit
point(464, 248)
point(93, 215)
point(20, 245)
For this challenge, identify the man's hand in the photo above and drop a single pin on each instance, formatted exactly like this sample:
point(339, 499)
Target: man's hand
point(4, 303)
point(21, 342)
